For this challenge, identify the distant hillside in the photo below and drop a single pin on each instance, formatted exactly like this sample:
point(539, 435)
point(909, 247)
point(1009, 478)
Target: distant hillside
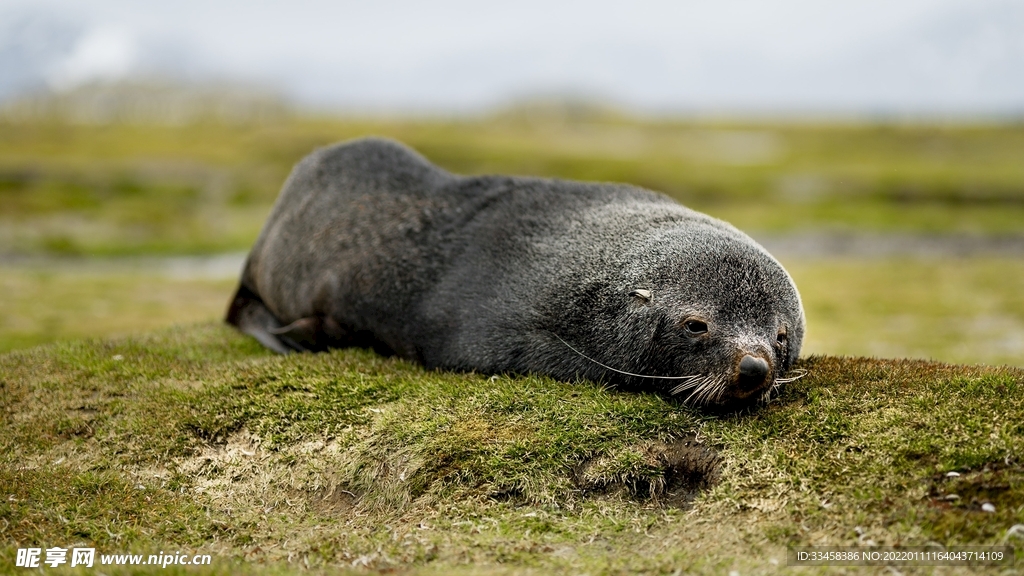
point(148, 101)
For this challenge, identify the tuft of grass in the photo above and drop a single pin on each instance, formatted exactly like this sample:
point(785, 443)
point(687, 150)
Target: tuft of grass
point(197, 439)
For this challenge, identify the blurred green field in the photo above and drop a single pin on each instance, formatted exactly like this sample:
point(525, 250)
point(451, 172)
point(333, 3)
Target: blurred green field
point(960, 310)
point(109, 191)
point(42, 304)
point(204, 188)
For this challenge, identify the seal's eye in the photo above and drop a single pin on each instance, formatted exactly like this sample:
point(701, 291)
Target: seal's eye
point(695, 327)
point(781, 339)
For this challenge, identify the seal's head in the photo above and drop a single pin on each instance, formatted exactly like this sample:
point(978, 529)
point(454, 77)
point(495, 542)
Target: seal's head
point(704, 314)
point(727, 318)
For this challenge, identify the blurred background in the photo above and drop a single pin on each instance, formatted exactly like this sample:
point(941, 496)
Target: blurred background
point(876, 148)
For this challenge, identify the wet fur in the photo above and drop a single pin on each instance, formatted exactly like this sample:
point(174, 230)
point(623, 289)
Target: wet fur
point(371, 245)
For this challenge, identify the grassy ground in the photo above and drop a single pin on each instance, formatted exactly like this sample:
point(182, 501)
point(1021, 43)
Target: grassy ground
point(196, 439)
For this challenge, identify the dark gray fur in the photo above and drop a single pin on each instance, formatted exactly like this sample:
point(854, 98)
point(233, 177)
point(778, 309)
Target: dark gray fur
point(369, 244)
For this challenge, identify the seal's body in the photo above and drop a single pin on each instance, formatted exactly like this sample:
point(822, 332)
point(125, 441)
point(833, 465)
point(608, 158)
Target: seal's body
point(369, 244)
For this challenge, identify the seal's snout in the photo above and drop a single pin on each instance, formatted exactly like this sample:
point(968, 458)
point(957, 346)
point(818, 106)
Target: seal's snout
point(752, 373)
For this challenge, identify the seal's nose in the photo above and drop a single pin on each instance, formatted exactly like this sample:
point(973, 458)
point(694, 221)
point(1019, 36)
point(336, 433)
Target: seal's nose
point(753, 371)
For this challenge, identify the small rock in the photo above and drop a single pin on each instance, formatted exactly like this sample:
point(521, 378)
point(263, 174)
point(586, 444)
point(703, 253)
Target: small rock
point(951, 497)
point(952, 474)
point(988, 507)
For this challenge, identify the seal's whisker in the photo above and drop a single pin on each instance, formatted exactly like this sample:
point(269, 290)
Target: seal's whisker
point(606, 367)
point(701, 391)
point(693, 382)
point(712, 391)
point(799, 374)
point(694, 387)
point(681, 388)
point(721, 390)
point(767, 395)
point(705, 396)
point(702, 394)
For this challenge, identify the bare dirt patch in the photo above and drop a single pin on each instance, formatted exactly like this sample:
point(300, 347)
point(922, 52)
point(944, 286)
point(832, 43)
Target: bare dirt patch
point(687, 467)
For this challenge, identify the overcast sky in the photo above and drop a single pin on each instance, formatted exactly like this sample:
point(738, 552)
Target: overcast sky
point(864, 56)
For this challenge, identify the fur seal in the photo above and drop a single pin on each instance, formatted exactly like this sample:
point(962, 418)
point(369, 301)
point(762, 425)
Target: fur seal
point(369, 244)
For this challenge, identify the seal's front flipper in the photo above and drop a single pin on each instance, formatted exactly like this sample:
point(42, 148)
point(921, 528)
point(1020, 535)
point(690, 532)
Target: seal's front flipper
point(248, 313)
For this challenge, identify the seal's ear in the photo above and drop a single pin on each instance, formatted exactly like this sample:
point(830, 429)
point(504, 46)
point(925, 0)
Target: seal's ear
point(641, 294)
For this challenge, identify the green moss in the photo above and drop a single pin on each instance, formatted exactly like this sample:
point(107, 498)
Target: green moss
point(351, 459)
